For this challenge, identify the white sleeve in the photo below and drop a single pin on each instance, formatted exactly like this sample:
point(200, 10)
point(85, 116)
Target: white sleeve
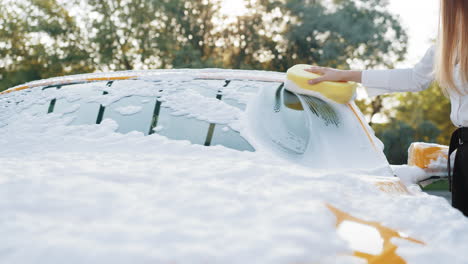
point(415, 79)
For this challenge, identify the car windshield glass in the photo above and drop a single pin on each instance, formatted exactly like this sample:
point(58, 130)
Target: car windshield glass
point(283, 121)
point(202, 111)
point(76, 101)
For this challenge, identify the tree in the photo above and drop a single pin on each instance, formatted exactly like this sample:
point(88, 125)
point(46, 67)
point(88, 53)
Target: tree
point(397, 136)
point(276, 35)
point(42, 38)
point(39, 39)
point(343, 33)
point(251, 40)
point(125, 33)
point(422, 116)
point(426, 112)
point(191, 34)
point(429, 105)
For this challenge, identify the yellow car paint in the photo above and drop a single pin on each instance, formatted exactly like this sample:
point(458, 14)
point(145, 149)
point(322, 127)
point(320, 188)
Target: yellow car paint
point(423, 154)
point(388, 254)
point(67, 81)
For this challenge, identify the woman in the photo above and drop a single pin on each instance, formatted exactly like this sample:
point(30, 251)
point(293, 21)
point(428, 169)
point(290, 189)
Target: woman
point(448, 64)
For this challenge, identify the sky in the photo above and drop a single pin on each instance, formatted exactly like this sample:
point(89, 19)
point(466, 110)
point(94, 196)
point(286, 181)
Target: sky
point(420, 19)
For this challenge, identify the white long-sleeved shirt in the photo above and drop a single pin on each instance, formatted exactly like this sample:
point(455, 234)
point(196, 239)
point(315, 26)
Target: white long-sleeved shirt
point(416, 79)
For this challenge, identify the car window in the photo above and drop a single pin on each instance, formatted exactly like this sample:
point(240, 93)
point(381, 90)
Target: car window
point(146, 106)
point(181, 127)
point(37, 109)
point(284, 121)
point(132, 113)
point(294, 117)
point(75, 101)
point(238, 93)
point(223, 135)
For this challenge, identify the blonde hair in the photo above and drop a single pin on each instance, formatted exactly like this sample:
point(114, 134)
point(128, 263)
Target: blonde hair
point(452, 44)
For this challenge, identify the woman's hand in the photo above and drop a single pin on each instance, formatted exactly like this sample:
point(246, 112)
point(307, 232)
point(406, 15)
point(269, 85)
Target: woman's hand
point(334, 75)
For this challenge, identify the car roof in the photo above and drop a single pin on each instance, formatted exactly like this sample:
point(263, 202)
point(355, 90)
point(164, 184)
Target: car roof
point(160, 74)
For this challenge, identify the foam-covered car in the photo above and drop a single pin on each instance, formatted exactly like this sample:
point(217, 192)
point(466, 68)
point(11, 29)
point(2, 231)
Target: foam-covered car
point(204, 166)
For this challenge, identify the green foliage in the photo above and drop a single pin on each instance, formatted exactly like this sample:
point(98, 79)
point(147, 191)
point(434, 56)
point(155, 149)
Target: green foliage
point(189, 39)
point(190, 57)
point(371, 107)
point(430, 105)
point(44, 38)
point(397, 136)
point(38, 39)
point(349, 30)
point(124, 32)
point(417, 117)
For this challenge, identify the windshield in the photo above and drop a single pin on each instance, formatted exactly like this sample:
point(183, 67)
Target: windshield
point(202, 111)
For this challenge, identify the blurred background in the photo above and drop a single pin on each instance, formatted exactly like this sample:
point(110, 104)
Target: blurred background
point(47, 38)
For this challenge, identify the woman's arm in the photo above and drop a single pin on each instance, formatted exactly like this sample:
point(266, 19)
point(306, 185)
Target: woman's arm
point(384, 81)
point(334, 75)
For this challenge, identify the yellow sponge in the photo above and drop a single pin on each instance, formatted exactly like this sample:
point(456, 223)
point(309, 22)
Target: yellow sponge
point(297, 81)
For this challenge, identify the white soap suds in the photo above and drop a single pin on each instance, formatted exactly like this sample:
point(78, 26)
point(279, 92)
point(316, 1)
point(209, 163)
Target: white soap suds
point(158, 128)
point(410, 174)
point(85, 194)
point(129, 110)
point(71, 109)
point(97, 194)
